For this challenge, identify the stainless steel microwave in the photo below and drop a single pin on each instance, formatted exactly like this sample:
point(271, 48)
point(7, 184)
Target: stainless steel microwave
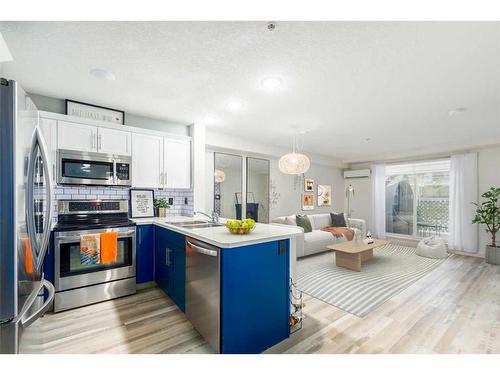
point(93, 168)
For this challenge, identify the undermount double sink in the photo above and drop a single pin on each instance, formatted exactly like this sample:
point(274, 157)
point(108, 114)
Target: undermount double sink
point(194, 224)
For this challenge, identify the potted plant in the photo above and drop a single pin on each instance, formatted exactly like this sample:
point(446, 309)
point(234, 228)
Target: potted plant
point(160, 206)
point(488, 213)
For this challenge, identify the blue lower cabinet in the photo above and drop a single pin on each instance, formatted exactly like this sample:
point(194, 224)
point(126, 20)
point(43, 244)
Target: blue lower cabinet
point(162, 260)
point(255, 299)
point(48, 261)
point(179, 277)
point(170, 264)
point(144, 258)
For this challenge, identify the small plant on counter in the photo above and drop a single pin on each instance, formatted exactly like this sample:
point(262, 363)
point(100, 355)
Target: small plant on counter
point(160, 205)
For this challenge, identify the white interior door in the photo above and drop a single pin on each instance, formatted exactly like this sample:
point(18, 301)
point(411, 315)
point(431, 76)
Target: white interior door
point(78, 137)
point(111, 141)
point(147, 161)
point(177, 163)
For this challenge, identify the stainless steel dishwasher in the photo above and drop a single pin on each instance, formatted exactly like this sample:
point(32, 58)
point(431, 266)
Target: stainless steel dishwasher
point(203, 289)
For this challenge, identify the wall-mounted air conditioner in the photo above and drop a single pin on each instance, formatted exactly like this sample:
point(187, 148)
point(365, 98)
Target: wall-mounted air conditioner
point(356, 173)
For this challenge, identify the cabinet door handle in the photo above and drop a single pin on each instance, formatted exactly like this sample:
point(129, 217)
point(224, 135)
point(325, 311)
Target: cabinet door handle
point(100, 141)
point(167, 257)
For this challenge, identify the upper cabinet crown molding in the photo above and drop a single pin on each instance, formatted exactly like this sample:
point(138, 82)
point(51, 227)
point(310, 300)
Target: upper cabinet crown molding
point(103, 124)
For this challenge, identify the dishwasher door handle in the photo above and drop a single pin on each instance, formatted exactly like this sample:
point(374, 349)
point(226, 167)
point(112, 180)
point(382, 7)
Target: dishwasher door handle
point(202, 250)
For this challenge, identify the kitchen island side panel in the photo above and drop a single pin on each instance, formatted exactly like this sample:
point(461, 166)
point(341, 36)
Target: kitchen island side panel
point(255, 304)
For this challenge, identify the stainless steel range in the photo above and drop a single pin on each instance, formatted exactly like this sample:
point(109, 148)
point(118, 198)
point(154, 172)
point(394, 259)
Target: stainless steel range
point(78, 282)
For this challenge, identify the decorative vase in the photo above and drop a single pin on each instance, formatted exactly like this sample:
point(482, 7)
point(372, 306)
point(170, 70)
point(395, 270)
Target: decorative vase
point(492, 255)
point(162, 212)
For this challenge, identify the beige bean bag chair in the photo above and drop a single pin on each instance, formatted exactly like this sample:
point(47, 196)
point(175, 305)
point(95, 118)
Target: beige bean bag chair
point(432, 247)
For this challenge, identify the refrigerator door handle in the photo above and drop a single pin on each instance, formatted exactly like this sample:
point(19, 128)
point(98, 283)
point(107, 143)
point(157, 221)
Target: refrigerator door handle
point(38, 256)
point(26, 322)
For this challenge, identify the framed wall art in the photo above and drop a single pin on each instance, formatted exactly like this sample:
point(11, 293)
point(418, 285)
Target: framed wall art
point(94, 112)
point(307, 202)
point(308, 184)
point(324, 195)
point(142, 203)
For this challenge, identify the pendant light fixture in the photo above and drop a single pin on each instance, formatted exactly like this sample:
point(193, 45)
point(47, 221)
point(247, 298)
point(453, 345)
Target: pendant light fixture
point(219, 176)
point(295, 162)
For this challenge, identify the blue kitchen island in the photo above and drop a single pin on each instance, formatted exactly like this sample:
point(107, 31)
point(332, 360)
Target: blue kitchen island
point(235, 289)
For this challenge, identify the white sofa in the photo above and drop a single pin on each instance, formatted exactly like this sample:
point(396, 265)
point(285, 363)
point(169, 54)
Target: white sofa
point(317, 240)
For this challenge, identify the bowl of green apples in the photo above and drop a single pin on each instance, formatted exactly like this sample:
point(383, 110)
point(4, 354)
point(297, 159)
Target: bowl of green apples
point(240, 226)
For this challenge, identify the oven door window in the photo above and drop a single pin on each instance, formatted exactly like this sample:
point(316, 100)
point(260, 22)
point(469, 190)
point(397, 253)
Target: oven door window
point(71, 264)
point(86, 169)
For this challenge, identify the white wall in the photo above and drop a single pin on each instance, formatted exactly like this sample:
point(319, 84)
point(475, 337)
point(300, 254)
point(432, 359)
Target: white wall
point(197, 132)
point(361, 202)
point(489, 175)
point(291, 189)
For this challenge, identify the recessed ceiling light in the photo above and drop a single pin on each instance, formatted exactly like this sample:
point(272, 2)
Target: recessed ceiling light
point(209, 119)
point(102, 74)
point(456, 111)
point(271, 26)
point(234, 105)
point(272, 83)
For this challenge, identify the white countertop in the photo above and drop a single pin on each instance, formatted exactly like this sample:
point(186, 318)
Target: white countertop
point(220, 236)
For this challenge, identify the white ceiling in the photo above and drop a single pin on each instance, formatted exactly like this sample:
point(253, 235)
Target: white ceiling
point(391, 82)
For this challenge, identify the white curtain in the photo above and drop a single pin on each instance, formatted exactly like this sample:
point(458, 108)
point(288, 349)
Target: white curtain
point(377, 212)
point(463, 235)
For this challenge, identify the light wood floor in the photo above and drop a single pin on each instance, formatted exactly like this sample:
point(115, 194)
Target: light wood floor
point(454, 309)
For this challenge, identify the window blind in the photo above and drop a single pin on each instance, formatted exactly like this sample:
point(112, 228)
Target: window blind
point(442, 165)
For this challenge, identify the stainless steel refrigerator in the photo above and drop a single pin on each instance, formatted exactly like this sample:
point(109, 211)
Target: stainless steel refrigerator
point(25, 216)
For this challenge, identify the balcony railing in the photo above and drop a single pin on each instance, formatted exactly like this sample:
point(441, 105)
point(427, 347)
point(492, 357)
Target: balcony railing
point(432, 216)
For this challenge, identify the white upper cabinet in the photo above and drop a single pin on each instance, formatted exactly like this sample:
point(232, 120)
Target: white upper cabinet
point(158, 161)
point(78, 137)
point(111, 141)
point(177, 163)
point(147, 161)
point(88, 138)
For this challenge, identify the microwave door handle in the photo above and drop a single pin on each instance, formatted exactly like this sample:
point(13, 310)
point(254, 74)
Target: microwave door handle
point(115, 178)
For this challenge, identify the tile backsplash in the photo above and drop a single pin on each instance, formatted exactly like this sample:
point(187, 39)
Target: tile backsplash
point(103, 192)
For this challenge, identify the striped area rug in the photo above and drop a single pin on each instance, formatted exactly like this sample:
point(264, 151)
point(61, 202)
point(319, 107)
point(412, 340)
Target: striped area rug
point(392, 269)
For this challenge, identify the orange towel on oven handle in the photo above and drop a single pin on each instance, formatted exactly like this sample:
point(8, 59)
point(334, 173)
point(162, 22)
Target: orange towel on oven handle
point(109, 247)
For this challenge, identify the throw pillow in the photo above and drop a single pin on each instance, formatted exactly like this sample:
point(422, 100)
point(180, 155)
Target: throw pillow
point(304, 222)
point(338, 220)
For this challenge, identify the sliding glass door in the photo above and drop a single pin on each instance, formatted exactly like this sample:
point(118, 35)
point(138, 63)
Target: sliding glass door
point(417, 198)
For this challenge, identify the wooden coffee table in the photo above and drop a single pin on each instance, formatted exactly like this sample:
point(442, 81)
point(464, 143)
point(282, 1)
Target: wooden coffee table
point(350, 255)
